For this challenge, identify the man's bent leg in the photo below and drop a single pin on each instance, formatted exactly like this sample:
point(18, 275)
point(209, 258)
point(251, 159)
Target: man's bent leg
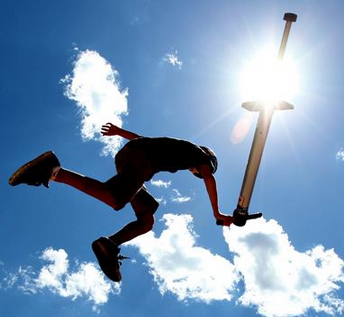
point(107, 250)
point(144, 206)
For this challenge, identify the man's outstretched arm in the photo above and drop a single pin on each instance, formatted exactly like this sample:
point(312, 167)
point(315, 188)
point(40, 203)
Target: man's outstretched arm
point(210, 184)
point(110, 129)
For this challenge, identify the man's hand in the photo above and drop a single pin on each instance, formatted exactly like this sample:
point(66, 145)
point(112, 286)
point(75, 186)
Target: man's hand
point(223, 220)
point(110, 129)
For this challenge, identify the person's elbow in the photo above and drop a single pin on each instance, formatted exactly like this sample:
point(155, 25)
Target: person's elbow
point(206, 171)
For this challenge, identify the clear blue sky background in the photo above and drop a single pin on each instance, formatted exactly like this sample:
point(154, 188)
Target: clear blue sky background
point(300, 182)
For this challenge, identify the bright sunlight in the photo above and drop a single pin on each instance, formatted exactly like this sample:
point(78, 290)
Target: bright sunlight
point(267, 79)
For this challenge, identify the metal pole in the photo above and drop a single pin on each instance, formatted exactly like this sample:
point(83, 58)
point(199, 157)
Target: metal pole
point(261, 133)
point(289, 18)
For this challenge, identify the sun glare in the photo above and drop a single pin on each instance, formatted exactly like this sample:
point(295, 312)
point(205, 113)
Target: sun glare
point(269, 80)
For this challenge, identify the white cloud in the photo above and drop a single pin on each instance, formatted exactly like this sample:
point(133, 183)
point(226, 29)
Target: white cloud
point(51, 274)
point(161, 183)
point(172, 58)
point(180, 267)
point(179, 198)
point(176, 197)
point(279, 280)
point(94, 86)
point(161, 200)
point(340, 155)
point(86, 281)
point(9, 281)
point(267, 272)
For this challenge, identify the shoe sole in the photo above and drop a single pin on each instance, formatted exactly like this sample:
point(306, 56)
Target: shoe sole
point(21, 170)
point(99, 250)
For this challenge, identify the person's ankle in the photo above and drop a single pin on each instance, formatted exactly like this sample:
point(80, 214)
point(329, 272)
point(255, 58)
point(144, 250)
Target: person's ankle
point(54, 172)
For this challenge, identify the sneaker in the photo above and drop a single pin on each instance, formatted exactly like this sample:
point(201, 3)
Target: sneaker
point(107, 253)
point(36, 172)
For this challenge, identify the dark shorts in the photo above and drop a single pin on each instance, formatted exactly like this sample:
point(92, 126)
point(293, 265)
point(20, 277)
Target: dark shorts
point(128, 185)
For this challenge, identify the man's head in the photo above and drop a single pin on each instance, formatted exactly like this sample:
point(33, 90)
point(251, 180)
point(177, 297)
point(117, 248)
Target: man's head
point(212, 160)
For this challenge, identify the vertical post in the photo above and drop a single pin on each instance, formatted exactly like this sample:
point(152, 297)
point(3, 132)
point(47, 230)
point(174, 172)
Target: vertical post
point(257, 148)
point(289, 18)
point(260, 136)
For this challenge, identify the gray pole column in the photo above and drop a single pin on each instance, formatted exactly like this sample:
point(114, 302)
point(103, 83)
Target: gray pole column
point(260, 136)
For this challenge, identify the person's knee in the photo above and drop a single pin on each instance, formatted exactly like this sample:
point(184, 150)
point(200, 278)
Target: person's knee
point(117, 207)
point(117, 204)
point(147, 222)
point(143, 203)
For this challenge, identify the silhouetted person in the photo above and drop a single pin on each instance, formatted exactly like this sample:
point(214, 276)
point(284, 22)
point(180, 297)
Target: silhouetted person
point(136, 163)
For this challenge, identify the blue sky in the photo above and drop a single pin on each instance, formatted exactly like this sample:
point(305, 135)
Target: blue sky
point(172, 68)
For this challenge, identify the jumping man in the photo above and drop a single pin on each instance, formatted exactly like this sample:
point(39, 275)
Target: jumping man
point(137, 162)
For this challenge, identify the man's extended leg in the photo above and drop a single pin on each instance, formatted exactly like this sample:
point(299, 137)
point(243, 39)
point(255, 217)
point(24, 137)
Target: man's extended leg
point(89, 186)
point(46, 167)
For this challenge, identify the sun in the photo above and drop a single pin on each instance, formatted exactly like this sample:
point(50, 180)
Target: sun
point(267, 79)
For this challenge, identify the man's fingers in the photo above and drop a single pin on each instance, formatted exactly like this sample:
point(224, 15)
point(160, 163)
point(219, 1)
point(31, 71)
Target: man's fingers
point(224, 221)
point(106, 127)
point(109, 129)
point(105, 130)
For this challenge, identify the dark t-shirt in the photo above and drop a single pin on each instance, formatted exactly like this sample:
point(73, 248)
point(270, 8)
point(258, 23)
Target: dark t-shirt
point(168, 154)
